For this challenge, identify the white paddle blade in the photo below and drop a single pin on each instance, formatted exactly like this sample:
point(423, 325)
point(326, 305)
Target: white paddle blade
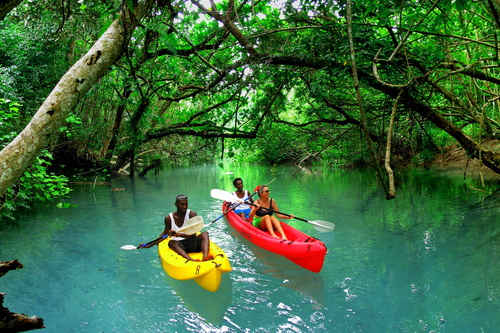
point(128, 247)
point(193, 225)
point(222, 195)
point(323, 226)
point(195, 220)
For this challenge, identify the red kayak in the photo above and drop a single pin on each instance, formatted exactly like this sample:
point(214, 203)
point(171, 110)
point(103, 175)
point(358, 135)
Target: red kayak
point(304, 250)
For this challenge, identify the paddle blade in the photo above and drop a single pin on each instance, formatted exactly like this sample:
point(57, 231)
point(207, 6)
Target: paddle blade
point(222, 195)
point(128, 247)
point(323, 226)
point(193, 225)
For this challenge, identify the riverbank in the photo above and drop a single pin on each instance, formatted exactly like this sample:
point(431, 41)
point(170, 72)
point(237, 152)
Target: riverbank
point(455, 160)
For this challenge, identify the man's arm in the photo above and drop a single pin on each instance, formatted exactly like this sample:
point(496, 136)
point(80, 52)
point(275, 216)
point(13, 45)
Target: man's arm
point(168, 226)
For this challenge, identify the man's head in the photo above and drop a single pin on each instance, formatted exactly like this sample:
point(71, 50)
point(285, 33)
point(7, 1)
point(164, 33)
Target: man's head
point(181, 202)
point(238, 183)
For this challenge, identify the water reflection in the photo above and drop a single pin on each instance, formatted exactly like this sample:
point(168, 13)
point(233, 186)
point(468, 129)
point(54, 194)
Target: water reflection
point(209, 306)
point(305, 282)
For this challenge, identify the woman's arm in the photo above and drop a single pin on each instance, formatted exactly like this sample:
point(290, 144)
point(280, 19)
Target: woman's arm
point(254, 209)
point(281, 216)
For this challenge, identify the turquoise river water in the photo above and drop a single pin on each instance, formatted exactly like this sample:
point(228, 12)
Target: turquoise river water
point(428, 261)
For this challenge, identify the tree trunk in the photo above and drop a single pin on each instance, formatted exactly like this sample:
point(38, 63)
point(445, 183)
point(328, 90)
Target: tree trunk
point(75, 83)
point(490, 158)
point(7, 6)
point(391, 194)
point(129, 154)
point(363, 121)
point(117, 123)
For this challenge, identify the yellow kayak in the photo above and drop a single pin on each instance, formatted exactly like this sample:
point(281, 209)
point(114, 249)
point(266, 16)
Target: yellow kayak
point(207, 274)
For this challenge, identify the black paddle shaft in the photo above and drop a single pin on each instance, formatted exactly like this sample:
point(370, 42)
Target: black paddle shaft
point(275, 211)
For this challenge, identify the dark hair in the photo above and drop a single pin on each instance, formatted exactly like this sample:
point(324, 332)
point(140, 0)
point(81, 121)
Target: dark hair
point(261, 189)
point(180, 197)
point(236, 179)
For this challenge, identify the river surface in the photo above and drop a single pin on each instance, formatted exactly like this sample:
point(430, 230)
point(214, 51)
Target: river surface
point(428, 261)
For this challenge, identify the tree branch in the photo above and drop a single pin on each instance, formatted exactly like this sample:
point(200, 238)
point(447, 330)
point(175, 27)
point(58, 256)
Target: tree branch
point(364, 125)
point(390, 174)
point(401, 43)
point(469, 71)
point(268, 108)
point(205, 111)
point(494, 12)
point(7, 6)
point(377, 76)
point(229, 25)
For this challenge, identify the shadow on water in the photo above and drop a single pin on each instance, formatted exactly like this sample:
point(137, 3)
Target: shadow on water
point(210, 306)
point(305, 282)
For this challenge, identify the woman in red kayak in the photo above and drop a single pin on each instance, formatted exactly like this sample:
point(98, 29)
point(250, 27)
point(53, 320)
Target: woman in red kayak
point(263, 213)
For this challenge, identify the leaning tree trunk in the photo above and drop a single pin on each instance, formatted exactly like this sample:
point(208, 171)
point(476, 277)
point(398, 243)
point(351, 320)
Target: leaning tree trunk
point(491, 159)
point(14, 322)
point(7, 6)
point(75, 83)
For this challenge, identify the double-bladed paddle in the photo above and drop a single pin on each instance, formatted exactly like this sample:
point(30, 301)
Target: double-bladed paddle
point(323, 226)
point(233, 200)
point(193, 225)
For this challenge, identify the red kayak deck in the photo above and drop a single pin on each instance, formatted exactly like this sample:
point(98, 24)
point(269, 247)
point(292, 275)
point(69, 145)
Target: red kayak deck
point(304, 250)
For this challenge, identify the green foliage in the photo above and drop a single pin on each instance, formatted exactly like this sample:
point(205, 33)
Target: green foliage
point(9, 118)
point(72, 123)
point(29, 73)
point(185, 75)
point(37, 184)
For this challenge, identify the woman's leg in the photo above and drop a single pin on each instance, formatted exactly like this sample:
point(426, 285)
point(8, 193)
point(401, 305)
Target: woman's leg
point(266, 221)
point(277, 225)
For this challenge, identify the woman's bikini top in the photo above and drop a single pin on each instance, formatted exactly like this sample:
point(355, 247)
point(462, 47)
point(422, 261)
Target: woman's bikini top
point(263, 211)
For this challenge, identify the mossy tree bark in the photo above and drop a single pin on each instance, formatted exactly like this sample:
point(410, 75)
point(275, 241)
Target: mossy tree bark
point(75, 83)
point(7, 6)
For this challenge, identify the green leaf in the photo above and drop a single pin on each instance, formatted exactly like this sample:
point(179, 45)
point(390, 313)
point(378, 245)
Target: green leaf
point(130, 4)
point(460, 4)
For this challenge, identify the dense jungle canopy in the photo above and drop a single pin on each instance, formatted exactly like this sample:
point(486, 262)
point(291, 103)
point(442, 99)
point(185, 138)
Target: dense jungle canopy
point(131, 86)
